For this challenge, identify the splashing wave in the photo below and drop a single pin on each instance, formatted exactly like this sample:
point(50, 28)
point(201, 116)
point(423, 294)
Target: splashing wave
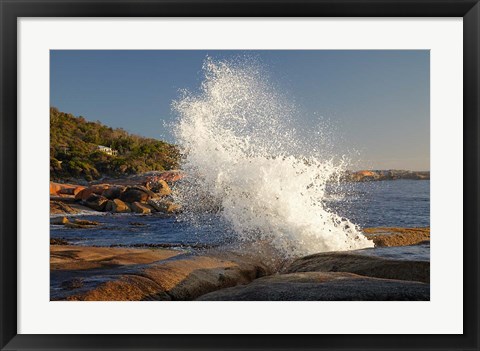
point(245, 160)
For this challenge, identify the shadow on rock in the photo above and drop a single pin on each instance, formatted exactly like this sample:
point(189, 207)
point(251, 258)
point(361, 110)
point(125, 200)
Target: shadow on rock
point(323, 286)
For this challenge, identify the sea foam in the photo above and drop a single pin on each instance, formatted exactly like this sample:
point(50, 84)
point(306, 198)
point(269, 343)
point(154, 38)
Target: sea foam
point(246, 161)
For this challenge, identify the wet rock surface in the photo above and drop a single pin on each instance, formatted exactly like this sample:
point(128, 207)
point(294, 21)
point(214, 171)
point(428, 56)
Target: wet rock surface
point(59, 207)
point(112, 274)
point(117, 206)
point(138, 207)
point(322, 286)
point(363, 265)
point(74, 223)
point(164, 206)
point(96, 202)
point(136, 194)
point(133, 274)
point(56, 241)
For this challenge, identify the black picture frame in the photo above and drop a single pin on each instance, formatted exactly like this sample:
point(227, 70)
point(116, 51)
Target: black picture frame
point(11, 10)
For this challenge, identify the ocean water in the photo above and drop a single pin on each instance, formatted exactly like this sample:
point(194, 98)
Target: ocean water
point(399, 203)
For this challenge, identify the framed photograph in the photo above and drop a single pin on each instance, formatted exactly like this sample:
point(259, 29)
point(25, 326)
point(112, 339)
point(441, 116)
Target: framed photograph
point(239, 175)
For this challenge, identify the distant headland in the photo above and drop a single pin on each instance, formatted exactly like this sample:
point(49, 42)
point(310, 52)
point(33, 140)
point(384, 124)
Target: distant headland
point(392, 174)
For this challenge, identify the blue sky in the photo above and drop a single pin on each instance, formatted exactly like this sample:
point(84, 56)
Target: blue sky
point(378, 102)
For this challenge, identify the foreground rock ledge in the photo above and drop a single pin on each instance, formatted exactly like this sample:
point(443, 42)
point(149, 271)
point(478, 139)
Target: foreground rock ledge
point(363, 265)
point(157, 275)
point(323, 286)
point(120, 274)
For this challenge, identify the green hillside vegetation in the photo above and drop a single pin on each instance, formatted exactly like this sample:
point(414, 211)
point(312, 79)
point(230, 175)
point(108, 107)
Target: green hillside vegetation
point(74, 150)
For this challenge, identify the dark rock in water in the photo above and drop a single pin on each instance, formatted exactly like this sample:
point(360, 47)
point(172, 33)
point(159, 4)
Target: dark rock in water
point(61, 207)
point(134, 195)
point(137, 223)
point(78, 226)
point(72, 284)
point(363, 265)
point(117, 206)
point(164, 206)
point(58, 207)
point(113, 192)
point(55, 241)
point(96, 202)
point(98, 189)
point(158, 186)
point(85, 222)
point(137, 194)
point(322, 286)
point(77, 223)
point(138, 207)
point(69, 200)
point(59, 220)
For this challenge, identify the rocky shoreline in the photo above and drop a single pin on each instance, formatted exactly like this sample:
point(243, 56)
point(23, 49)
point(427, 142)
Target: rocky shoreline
point(81, 273)
point(160, 272)
point(144, 194)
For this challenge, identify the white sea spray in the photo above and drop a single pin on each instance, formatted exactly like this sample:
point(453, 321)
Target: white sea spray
point(244, 159)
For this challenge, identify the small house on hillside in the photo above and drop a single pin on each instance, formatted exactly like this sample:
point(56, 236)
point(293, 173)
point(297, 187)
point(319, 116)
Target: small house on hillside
point(107, 150)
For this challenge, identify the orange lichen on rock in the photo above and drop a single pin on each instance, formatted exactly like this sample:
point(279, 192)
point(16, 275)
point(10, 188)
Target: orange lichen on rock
point(393, 236)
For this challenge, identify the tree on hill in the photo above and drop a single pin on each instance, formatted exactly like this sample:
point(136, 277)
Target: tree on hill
point(74, 151)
